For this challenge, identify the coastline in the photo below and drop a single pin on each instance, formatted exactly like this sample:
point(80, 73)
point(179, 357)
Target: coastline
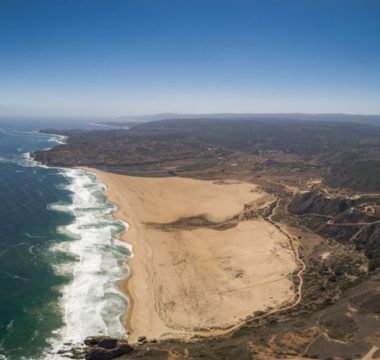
point(176, 275)
point(67, 242)
point(91, 302)
point(179, 235)
point(131, 288)
point(95, 241)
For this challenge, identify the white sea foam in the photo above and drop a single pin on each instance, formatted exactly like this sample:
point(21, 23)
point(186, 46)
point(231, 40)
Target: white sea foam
point(91, 302)
point(3, 160)
point(27, 160)
point(58, 139)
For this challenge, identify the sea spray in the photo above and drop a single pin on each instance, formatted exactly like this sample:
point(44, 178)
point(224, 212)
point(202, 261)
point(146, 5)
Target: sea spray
point(71, 257)
point(91, 303)
point(30, 289)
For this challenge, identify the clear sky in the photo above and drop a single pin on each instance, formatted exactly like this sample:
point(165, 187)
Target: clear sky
point(122, 57)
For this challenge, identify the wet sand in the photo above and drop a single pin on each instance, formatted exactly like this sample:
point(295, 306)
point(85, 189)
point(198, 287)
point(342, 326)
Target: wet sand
point(201, 260)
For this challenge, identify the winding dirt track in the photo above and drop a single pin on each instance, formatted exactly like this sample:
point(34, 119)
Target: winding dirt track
point(294, 243)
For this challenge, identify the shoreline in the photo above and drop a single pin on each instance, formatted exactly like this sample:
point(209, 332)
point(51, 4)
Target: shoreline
point(177, 275)
point(88, 248)
point(125, 284)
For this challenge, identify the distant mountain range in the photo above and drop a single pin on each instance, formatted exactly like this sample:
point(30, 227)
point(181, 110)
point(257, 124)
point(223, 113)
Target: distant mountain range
point(130, 120)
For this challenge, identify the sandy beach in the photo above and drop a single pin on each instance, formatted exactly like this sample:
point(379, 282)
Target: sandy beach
point(202, 258)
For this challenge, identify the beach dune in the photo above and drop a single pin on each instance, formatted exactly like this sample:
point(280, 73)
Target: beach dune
point(203, 258)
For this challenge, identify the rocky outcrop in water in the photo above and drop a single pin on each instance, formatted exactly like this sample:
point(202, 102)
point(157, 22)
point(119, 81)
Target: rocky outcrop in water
point(106, 348)
point(97, 348)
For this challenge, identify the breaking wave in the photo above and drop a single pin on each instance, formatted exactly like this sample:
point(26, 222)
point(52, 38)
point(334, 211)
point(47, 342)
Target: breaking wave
point(91, 303)
point(94, 258)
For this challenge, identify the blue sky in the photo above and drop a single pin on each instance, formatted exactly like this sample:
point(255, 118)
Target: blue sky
point(120, 57)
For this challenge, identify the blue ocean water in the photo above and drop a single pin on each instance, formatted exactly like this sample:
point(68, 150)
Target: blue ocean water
point(59, 252)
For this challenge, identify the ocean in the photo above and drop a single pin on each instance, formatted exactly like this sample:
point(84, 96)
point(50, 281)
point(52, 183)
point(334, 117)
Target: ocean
point(59, 252)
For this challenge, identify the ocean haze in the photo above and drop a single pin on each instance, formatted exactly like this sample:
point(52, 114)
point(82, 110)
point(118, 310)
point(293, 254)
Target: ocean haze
point(58, 122)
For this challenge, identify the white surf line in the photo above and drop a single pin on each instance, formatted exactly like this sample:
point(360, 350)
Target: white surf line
point(91, 303)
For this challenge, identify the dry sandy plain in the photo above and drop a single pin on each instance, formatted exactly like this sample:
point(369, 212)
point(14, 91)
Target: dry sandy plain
point(187, 273)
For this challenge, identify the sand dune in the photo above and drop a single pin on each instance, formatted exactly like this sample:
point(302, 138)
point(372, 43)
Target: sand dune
point(187, 273)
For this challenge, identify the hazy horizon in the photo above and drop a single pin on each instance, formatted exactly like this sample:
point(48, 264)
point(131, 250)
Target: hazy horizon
point(171, 115)
point(108, 59)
